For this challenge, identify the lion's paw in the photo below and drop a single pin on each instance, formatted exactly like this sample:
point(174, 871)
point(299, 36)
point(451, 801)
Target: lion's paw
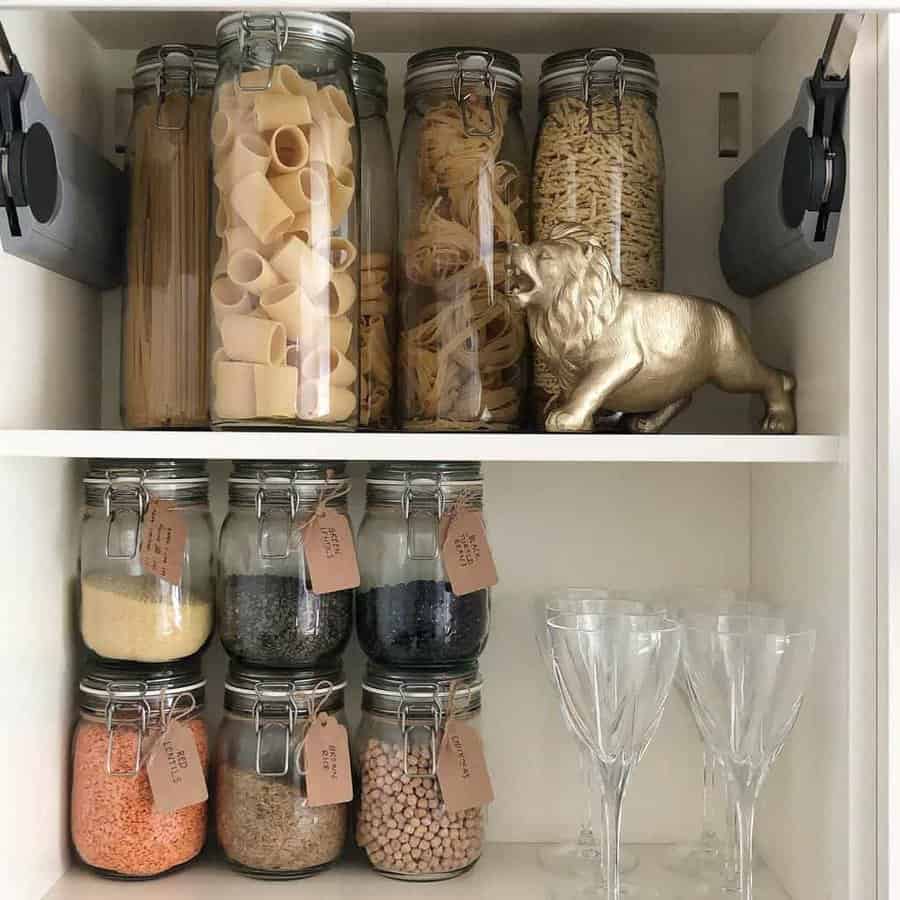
point(565, 421)
point(779, 421)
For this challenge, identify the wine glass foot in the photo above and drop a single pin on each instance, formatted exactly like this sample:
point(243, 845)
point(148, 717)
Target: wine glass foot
point(580, 860)
point(698, 860)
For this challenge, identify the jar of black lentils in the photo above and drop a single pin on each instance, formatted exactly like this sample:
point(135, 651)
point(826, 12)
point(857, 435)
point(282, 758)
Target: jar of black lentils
point(269, 614)
point(406, 611)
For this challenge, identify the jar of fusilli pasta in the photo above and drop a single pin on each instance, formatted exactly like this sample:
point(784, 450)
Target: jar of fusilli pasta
point(377, 237)
point(463, 189)
point(285, 288)
point(599, 163)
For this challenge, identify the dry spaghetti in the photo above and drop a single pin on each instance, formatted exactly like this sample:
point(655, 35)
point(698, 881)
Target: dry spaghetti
point(462, 348)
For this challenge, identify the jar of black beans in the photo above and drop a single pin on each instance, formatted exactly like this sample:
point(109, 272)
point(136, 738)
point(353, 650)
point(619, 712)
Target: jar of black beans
point(268, 613)
point(406, 612)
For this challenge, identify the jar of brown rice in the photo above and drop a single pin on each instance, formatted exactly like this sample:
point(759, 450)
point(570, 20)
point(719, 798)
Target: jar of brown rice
point(599, 163)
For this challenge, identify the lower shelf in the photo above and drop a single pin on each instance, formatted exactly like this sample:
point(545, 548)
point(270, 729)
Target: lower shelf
point(505, 871)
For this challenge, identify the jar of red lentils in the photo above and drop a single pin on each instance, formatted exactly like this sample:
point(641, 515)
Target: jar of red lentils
point(403, 824)
point(116, 828)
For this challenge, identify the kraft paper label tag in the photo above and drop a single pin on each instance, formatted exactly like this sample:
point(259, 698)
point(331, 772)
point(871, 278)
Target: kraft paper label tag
point(175, 771)
point(330, 553)
point(462, 769)
point(163, 539)
point(326, 755)
point(466, 553)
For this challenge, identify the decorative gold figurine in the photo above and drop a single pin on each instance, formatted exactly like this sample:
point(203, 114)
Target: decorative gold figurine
point(638, 353)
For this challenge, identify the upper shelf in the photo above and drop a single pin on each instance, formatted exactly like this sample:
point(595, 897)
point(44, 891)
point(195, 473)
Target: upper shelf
point(421, 447)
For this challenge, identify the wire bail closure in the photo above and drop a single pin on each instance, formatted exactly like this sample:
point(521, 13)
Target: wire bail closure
point(433, 707)
point(115, 490)
point(591, 59)
point(462, 96)
point(427, 505)
point(281, 696)
point(272, 30)
point(162, 84)
point(141, 709)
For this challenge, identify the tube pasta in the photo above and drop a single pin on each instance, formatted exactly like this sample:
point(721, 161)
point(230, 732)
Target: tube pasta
point(289, 149)
point(375, 331)
point(285, 294)
point(257, 203)
point(275, 389)
point(250, 270)
point(254, 340)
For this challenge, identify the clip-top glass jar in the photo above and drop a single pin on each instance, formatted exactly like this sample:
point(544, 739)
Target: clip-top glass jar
point(406, 612)
point(377, 235)
point(263, 821)
point(269, 614)
point(463, 194)
point(127, 612)
point(166, 311)
point(285, 289)
point(116, 828)
point(403, 824)
point(599, 163)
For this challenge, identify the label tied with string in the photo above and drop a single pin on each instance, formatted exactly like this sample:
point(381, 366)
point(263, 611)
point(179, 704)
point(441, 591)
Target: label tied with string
point(462, 768)
point(465, 551)
point(326, 756)
point(329, 548)
point(174, 768)
point(163, 539)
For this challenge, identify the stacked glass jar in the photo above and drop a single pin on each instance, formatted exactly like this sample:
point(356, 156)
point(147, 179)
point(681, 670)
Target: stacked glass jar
point(144, 632)
point(285, 643)
point(423, 642)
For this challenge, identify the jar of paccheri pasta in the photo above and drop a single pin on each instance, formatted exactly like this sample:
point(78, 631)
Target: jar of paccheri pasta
point(598, 163)
point(265, 825)
point(147, 543)
point(463, 194)
point(117, 826)
point(407, 614)
point(403, 823)
point(269, 614)
point(165, 316)
point(377, 235)
point(285, 288)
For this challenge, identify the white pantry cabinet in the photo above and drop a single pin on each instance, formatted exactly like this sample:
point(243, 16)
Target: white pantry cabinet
point(811, 519)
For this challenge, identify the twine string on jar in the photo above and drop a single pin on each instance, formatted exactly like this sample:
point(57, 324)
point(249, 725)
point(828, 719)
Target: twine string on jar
point(166, 718)
point(314, 706)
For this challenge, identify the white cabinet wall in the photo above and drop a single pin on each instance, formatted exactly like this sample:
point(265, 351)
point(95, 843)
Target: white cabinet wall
point(806, 518)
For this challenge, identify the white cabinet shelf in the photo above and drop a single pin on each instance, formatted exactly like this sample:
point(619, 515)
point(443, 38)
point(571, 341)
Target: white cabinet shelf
point(362, 446)
point(505, 871)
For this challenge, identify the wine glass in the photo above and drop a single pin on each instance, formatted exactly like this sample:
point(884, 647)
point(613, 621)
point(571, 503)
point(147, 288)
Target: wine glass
point(707, 859)
point(746, 677)
point(613, 673)
point(582, 855)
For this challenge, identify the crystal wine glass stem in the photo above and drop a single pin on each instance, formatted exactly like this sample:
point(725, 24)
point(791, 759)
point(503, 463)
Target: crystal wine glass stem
point(586, 765)
point(614, 780)
point(708, 832)
point(745, 809)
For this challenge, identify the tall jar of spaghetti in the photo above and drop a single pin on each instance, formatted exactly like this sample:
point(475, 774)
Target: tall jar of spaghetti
point(463, 187)
point(598, 163)
point(285, 286)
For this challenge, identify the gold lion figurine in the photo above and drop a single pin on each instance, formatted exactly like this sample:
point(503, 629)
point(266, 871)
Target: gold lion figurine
point(638, 353)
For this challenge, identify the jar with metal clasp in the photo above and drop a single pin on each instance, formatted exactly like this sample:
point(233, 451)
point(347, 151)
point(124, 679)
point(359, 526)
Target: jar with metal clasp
point(127, 612)
point(402, 822)
point(116, 828)
point(269, 614)
point(265, 826)
point(407, 614)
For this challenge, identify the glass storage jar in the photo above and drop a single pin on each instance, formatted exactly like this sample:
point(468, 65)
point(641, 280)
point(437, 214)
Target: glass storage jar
point(463, 193)
point(406, 612)
point(127, 612)
point(598, 163)
point(269, 614)
point(166, 306)
point(402, 823)
point(116, 829)
point(285, 288)
point(377, 235)
point(263, 822)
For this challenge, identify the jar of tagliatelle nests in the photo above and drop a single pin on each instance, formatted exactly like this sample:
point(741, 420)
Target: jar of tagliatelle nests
point(599, 163)
point(463, 188)
point(285, 288)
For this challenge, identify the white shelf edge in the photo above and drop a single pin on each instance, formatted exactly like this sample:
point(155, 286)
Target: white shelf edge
point(65, 444)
